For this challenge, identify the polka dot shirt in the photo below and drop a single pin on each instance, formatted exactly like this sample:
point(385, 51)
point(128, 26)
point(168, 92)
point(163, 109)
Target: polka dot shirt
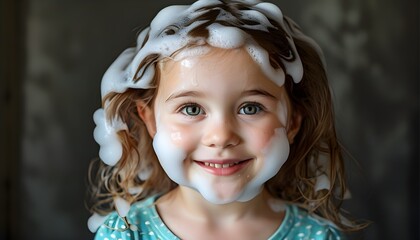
point(143, 222)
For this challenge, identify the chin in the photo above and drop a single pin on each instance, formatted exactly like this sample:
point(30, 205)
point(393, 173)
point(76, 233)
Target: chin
point(220, 201)
point(239, 196)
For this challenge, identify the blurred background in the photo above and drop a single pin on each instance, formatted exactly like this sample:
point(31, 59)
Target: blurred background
point(54, 53)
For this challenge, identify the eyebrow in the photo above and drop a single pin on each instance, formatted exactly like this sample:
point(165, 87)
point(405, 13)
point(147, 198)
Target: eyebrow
point(181, 94)
point(258, 92)
point(252, 92)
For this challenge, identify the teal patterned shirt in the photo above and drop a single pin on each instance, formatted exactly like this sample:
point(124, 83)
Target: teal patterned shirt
point(146, 224)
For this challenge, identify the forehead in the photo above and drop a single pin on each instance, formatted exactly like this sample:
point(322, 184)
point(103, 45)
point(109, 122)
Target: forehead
point(223, 69)
point(206, 58)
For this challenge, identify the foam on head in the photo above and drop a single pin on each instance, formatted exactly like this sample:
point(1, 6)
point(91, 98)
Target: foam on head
point(174, 31)
point(170, 31)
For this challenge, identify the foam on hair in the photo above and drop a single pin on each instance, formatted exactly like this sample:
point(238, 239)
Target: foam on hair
point(172, 34)
point(170, 30)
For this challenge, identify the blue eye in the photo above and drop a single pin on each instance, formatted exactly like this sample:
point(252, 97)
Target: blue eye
point(250, 109)
point(191, 110)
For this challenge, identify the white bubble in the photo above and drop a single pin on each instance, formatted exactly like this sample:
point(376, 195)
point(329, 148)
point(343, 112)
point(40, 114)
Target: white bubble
point(95, 221)
point(225, 37)
point(145, 173)
point(322, 183)
point(122, 206)
point(271, 11)
point(135, 190)
point(170, 156)
point(105, 134)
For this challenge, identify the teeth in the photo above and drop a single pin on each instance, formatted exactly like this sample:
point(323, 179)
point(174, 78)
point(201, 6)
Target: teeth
point(218, 165)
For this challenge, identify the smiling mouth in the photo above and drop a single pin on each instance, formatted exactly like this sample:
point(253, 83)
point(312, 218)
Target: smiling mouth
point(224, 168)
point(219, 165)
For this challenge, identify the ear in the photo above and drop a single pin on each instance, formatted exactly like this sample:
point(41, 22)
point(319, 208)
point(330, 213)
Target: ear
point(147, 114)
point(294, 126)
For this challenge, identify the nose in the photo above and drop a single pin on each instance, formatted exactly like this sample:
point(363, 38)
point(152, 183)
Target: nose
point(220, 134)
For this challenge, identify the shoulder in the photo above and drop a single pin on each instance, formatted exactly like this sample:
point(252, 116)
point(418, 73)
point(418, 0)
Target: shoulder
point(116, 227)
point(300, 224)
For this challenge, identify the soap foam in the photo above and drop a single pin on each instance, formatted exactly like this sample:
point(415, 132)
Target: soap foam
point(322, 183)
point(260, 56)
point(191, 52)
point(169, 32)
point(225, 37)
point(170, 156)
point(95, 221)
point(122, 206)
point(258, 17)
point(275, 155)
point(271, 11)
point(106, 136)
point(276, 205)
point(135, 190)
point(320, 166)
point(145, 173)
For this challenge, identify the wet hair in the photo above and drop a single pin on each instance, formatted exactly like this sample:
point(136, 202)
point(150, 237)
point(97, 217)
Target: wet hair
point(314, 153)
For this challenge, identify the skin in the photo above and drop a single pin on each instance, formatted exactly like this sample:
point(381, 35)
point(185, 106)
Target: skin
point(214, 108)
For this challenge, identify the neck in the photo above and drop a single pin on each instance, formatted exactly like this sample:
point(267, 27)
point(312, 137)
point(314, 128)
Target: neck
point(190, 201)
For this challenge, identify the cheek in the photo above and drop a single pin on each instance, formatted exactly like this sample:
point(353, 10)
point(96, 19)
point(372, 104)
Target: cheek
point(259, 140)
point(260, 136)
point(282, 112)
point(183, 136)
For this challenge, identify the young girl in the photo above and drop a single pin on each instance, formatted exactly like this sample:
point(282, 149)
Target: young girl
point(218, 125)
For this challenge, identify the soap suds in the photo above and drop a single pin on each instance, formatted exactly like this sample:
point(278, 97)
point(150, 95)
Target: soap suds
point(169, 32)
point(122, 206)
point(95, 221)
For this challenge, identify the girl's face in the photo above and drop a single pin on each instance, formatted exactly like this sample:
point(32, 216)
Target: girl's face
point(220, 126)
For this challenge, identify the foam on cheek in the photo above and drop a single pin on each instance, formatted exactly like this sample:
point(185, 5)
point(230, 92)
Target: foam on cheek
point(170, 156)
point(275, 155)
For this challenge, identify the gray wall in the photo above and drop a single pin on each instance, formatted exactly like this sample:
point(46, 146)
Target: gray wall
point(57, 52)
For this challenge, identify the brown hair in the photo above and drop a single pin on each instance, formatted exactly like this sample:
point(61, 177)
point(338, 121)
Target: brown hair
point(315, 150)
